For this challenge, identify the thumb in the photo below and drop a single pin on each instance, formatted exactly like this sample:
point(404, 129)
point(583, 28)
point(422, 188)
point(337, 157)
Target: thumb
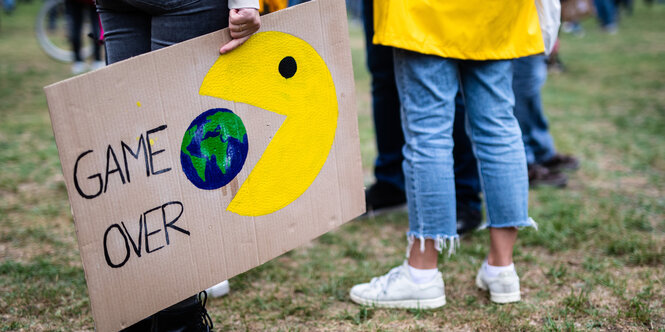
point(230, 46)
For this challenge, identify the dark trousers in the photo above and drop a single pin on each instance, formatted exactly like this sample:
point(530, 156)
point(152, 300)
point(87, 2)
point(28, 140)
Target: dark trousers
point(135, 27)
point(385, 106)
point(529, 75)
point(467, 181)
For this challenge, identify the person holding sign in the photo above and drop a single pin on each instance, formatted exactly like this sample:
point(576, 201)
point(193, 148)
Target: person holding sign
point(134, 27)
point(440, 47)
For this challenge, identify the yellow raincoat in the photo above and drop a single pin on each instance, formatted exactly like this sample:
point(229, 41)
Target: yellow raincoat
point(269, 6)
point(460, 29)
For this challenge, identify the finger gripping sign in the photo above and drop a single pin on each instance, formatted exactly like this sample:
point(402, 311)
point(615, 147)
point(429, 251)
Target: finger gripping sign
point(185, 168)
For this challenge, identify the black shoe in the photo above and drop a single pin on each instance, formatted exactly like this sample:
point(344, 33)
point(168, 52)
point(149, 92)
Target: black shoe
point(562, 162)
point(383, 197)
point(189, 315)
point(542, 176)
point(468, 219)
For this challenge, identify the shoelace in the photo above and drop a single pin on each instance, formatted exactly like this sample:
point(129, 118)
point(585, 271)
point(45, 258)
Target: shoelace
point(207, 321)
point(384, 281)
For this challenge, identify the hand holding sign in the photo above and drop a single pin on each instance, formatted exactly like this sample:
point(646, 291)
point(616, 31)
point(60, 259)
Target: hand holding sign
point(243, 22)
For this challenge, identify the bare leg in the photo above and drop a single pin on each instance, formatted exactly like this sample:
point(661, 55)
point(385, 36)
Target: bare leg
point(502, 241)
point(424, 260)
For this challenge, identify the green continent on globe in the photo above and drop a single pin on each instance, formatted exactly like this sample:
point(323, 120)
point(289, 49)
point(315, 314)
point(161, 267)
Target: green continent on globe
point(226, 124)
point(198, 163)
point(223, 125)
point(213, 146)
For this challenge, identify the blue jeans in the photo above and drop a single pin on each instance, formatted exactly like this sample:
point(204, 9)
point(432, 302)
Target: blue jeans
point(607, 13)
point(427, 88)
point(530, 74)
point(388, 125)
point(134, 27)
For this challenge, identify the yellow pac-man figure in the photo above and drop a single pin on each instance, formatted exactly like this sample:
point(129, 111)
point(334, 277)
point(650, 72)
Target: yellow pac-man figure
point(280, 73)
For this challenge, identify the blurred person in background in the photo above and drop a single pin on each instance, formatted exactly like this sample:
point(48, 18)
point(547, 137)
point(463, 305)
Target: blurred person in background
point(607, 15)
point(572, 12)
point(545, 164)
point(9, 6)
point(627, 5)
point(76, 10)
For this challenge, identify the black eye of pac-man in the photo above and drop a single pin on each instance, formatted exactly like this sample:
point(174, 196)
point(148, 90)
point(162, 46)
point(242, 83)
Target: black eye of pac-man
point(288, 67)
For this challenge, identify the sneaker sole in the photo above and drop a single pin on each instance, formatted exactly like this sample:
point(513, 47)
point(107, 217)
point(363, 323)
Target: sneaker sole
point(219, 290)
point(406, 304)
point(500, 298)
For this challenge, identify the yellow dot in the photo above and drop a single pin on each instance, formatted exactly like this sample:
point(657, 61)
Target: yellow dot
point(138, 137)
point(152, 141)
point(138, 103)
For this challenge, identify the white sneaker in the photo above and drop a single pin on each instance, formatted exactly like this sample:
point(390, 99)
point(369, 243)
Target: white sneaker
point(219, 290)
point(396, 289)
point(79, 67)
point(97, 65)
point(504, 288)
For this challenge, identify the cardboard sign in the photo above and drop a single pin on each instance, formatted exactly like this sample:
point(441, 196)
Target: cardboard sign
point(185, 168)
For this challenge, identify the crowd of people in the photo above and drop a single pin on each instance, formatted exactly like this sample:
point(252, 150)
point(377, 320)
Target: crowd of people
point(79, 11)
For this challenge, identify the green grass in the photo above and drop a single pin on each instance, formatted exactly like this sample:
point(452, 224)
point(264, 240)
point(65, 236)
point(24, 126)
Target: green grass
point(596, 262)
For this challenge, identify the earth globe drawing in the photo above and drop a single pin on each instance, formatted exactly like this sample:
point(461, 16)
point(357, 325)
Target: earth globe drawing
point(214, 148)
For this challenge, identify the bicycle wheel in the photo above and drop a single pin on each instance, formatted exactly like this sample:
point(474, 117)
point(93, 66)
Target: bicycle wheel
point(52, 32)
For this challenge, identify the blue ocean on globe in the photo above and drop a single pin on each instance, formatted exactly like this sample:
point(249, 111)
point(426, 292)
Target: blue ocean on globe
point(214, 148)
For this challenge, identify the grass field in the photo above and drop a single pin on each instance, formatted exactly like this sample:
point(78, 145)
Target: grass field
point(597, 261)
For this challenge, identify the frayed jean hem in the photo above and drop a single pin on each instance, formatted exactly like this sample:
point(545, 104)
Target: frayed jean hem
point(450, 242)
point(521, 224)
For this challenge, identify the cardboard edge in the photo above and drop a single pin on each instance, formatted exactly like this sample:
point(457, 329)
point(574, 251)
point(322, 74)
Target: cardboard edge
point(225, 38)
point(343, 26)
point(79, 245)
